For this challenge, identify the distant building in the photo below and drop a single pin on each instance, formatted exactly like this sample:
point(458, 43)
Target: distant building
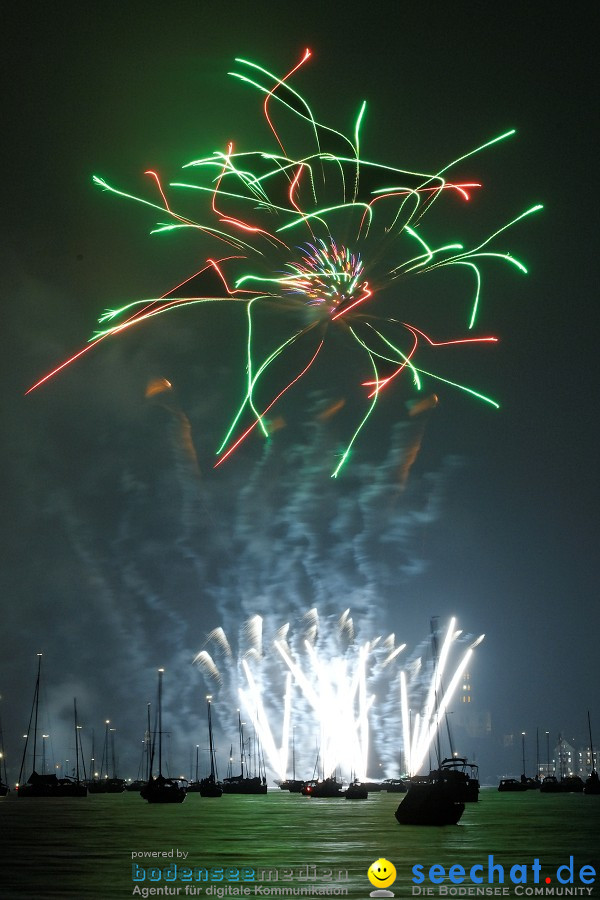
point(468, 716)
point(569, 760)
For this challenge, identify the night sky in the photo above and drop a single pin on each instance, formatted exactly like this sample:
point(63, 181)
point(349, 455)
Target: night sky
point(122, 547)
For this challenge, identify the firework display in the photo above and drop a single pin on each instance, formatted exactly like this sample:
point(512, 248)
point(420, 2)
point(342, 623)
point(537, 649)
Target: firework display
point(318, 241)
point(319, 682)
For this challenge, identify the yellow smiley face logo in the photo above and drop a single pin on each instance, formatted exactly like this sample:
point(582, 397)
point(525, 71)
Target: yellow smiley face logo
point(381, 873)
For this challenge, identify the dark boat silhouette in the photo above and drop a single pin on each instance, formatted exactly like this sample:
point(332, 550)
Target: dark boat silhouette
point(592, 783)
point(160, 789)
point(512, 785)
point(47, 784)
point(243, 783)
point(321, 785)
point(293, 785)
point(136, 785)
point(328, 787)
point(571, 784)
point(550, 785)
point(461, 777)
point(430, 801)
point(356, 790)
point(394, 786)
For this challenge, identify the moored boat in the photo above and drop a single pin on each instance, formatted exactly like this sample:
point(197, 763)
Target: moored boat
point(429, 801)
point(136, 785)
point(592, 782)
point(328, 787)
point(160, 789)
point(512, 785)
point(244, 783)
point(460, 776)
point(394, 786)
point(104, 783)
point(571, 784)
point(550, 785)
point(164, 790)
point(356, 790)
point(293, 785)
point(47, 784)
point(211, 786)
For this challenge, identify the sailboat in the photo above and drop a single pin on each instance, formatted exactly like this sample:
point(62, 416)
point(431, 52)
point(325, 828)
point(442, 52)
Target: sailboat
point(45, 785)
point(322, 787)
point(139, 782)
point(244, 783)
point(439, 798)
point(293, 785)
point(106, 785)
point(211, 786)
point(592, 782)
point(327, 787)
point(194, 786)
point(161, 789)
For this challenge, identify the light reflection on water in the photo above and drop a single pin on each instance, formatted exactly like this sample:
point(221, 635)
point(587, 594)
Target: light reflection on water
point(81, 848)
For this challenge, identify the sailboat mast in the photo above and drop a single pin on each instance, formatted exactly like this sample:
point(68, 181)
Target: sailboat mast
point(160, 675)
point(33, 707)
point(148, 745)
point(93, 758)
point(37, 702)
point(112, 751)
point(434, 650)
point(105, 750)
point(210, 739)
point(76, 739)
point(241, 735)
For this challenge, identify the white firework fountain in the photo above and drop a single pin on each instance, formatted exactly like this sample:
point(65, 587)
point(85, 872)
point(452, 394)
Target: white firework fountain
point(320, 684)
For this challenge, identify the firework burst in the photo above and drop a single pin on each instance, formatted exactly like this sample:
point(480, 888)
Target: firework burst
point(324, 235)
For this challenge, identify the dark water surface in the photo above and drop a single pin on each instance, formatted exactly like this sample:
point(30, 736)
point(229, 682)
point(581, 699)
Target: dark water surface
point(82, 848)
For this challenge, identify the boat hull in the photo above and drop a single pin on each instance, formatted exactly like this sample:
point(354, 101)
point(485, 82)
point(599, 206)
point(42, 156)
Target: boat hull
point(51, 786)
point(163, 790)
point(293, 785)
point(511, 785)
point(210, 788)
point(429, 803)
point(356, 792)
point(329, 787)
point(244, 786)
point(592, 784)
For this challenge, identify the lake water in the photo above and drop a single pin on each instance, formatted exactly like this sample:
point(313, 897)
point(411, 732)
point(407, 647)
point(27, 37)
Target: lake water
point(82, 848)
